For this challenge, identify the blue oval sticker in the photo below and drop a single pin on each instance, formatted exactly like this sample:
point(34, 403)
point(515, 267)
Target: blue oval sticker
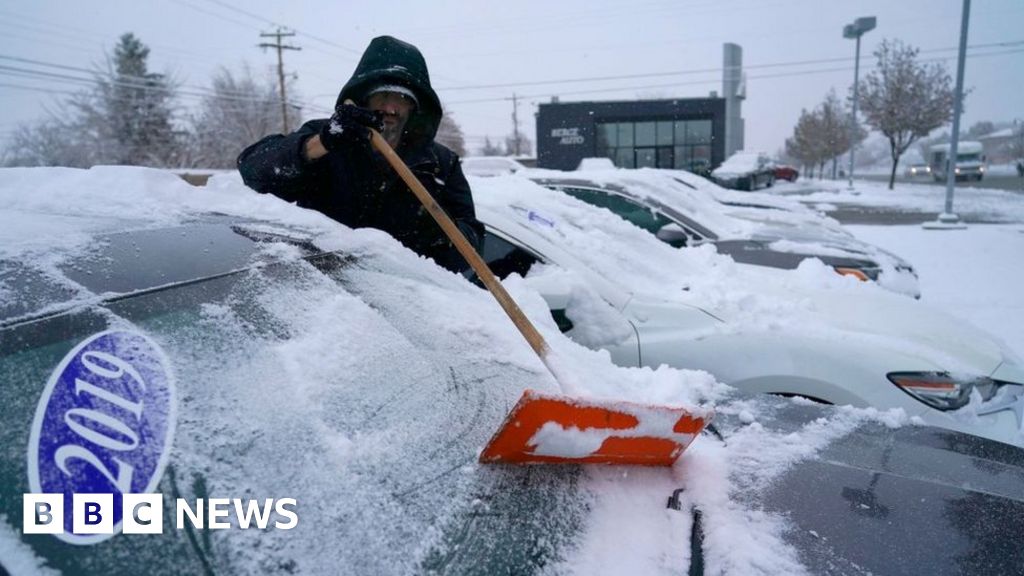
point(104, 424)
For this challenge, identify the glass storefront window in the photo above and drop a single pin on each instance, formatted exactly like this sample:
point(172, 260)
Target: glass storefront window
point(680, 132)
point(625, 133)
point(698, 132)
point(645, 157)
point(606, 136)
point(680, 144)
point(664, 156)
point(664, 133)
point(682, 158)
point(645, 135)
point(624, 157)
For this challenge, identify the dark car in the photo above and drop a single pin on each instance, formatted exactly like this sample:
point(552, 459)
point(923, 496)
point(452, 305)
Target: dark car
point(745, 171)
point(786, 172)
point(213, 358)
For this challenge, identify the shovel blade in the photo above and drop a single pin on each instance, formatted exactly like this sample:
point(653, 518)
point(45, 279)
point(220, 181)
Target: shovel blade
point(549, 429)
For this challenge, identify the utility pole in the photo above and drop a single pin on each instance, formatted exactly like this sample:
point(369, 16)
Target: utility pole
point(948, 216)
point(280, 68)
point(515, 121)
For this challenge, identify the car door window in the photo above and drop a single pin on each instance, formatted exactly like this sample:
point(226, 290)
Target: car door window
point(630, 210)
point(504, 257)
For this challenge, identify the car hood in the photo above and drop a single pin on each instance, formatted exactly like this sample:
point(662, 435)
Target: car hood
point(878, 485)
point(877, 316)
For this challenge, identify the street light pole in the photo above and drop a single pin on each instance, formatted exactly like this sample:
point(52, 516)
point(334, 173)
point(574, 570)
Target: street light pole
point(948, 216)
point(856, 30)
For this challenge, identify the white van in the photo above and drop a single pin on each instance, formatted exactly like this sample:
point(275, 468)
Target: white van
point(970, 161)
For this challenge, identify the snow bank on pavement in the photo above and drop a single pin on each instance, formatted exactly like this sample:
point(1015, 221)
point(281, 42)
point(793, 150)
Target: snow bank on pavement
point(977, 203)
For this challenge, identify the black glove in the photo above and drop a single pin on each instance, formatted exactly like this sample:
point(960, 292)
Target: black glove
point(350, 126)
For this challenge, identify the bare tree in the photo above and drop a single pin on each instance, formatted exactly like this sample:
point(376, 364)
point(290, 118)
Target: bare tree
point(518, 143)
point(239, 111)
point(805, 144)
point(491, 149)
point(449, 133)
point(904, 99)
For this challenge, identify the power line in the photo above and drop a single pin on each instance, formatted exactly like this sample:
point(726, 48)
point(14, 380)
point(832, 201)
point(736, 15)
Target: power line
point(698, 82)
point(695, 70)
point(264, 20)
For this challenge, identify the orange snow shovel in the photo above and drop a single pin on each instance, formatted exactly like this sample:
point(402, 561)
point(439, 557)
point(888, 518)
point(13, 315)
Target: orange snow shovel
point(559, 429)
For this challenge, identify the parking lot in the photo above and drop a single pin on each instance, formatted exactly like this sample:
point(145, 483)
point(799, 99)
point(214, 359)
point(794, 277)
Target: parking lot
point(967, 273)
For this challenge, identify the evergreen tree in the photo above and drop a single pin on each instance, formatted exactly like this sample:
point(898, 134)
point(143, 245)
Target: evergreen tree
point(126, 118)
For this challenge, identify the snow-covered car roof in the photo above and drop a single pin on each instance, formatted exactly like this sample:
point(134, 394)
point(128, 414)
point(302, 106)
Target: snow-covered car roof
point(739, 163)
point(742, 199)
point(811, 298)
point(701, 206)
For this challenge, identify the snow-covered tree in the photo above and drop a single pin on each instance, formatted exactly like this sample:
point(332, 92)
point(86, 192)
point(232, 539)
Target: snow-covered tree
point(449, 133)
point(904, 99)
point(125, 118)
point(239, 111)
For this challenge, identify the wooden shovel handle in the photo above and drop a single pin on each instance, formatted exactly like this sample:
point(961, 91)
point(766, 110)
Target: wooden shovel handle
point(464, 247)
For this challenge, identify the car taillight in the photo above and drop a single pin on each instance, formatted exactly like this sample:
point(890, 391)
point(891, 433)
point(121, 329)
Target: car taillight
point(940, 390)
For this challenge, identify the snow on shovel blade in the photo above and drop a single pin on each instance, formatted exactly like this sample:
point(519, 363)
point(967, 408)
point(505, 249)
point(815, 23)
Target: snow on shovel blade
point(556, 429)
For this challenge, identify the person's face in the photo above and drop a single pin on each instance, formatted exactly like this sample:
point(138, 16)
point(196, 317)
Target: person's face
point(396, 109)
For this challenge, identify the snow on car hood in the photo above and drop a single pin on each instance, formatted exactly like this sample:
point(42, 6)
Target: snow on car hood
point(812, 299)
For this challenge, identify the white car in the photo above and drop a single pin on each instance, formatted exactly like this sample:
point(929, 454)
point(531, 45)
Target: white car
point(680, 214)
point(811, 333)
point(490, 165)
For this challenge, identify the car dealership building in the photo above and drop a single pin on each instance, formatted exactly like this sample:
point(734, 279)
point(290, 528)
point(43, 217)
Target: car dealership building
point(695, 134)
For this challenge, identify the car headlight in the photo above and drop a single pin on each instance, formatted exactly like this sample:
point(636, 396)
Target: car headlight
point(940, 390)
point(957, 170)
point(863, 274)
point(981, 168)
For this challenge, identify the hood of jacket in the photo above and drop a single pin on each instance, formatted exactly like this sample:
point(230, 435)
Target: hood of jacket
point(388, 60)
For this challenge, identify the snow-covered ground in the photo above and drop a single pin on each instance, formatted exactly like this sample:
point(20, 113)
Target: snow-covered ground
point(975, 203)
point(974, 274)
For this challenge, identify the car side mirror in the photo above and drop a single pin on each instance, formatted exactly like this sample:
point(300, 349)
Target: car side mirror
point(673, 235)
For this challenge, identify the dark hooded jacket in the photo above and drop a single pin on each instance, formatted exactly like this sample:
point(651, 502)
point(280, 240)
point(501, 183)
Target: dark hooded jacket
point(355, 186)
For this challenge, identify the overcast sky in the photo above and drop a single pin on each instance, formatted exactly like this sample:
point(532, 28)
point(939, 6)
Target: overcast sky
point(534, 45)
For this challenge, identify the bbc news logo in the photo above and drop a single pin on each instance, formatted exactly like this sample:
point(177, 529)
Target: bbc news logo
point(93, 514)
